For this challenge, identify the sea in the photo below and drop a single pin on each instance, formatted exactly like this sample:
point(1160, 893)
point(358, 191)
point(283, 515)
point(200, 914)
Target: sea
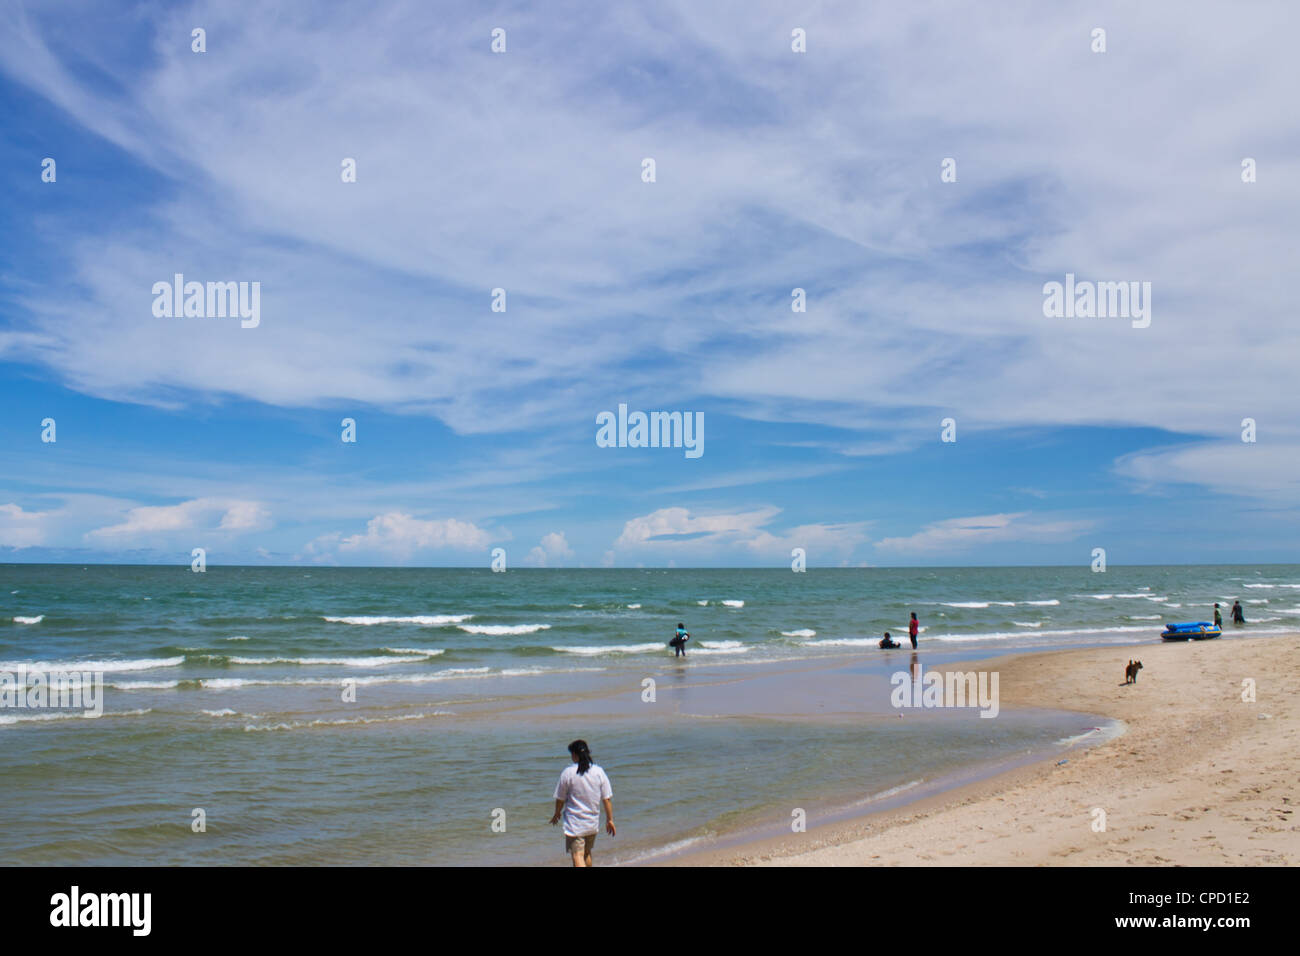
point(359, 716)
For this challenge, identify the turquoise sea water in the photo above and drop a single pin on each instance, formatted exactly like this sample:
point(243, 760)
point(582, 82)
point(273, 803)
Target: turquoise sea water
point(225, 691)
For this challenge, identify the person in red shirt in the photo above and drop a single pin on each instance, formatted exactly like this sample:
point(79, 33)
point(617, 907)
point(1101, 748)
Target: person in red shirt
point(913, 626)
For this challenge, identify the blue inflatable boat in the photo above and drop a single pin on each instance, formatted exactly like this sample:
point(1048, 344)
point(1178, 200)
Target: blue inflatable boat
point(1191, 631)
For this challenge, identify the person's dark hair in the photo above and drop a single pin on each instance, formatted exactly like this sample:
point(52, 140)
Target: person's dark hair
point(681, 625)
point(913, 614)
point(886, 634)
point(580, 750)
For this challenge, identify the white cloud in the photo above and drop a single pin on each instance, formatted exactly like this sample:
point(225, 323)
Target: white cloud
point(962, 534)
point(756, 154)
point(553, 548)
point(197, 514)
point(742, 533)
point(1268, 469)
point(400, 535)
point(21, 529)
point(661, 527)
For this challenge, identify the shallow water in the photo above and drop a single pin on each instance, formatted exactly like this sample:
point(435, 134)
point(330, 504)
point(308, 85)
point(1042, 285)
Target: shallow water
point(226, 692)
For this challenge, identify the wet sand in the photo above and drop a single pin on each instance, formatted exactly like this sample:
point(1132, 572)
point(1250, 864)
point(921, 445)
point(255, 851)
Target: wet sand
point(1200, 776)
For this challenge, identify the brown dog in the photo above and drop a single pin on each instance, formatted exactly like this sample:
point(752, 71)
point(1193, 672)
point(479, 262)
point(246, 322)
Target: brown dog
point(1131, 672)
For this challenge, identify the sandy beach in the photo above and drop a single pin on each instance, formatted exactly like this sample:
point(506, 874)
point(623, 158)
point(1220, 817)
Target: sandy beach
point(1200, 777)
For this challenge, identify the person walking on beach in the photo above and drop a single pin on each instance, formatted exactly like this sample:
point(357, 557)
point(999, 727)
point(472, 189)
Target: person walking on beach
point(913, 628)
point(1218, 615)
point(583, 789)
point(1238, 615)
point(679, 640)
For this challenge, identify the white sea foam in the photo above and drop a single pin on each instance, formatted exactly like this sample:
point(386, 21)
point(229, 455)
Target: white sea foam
point(665, 850)
point(705, 649)
point(345, 721)
point(803, 632)
point(139, 664)
point(422, 651)
point(1145, 617)
point(223, 712)
point(1027, 623)
point(1052, 603)
point(69, 715)
point(497, 630)
point(424, 620)
point(1002, 635)
point(967, 604)
point(591, 651)
point(238, 637)
point(843, 642)
point(734, 603)
point(886, 794)
point(143, 684)
point(232, 683)
point(30, 620)
point(702, 603)
point(1092, 733)
point(634, 607)
point(337, 661)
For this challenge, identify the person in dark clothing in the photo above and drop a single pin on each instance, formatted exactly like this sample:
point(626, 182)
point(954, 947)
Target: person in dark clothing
point(888, 642)
point(913, 628)
point(1238, 615)
point(679, 641)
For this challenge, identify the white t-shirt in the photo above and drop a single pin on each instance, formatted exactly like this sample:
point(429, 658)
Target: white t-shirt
point(582, 794)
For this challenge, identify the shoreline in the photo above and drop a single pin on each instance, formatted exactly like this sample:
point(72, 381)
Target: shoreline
point(1214, 782)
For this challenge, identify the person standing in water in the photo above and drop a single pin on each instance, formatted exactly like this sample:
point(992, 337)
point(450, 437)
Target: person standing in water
point(1238, 615)
point(913, 628)
point(1218, 615)
point(679, 640)
point(583, 789)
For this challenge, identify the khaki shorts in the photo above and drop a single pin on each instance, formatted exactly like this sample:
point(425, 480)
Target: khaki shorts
point(584, 843)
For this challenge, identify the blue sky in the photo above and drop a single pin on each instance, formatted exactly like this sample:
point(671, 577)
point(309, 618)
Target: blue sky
point(775, 170)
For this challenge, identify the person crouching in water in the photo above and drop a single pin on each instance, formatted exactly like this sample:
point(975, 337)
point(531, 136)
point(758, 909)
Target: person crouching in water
point(679, 641)
point(888, 642)
point(582, 790)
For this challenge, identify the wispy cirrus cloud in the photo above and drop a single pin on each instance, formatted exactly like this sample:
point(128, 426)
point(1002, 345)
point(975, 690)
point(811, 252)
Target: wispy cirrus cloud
point(522, 171)
point(957, 535)
point(681, 532)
